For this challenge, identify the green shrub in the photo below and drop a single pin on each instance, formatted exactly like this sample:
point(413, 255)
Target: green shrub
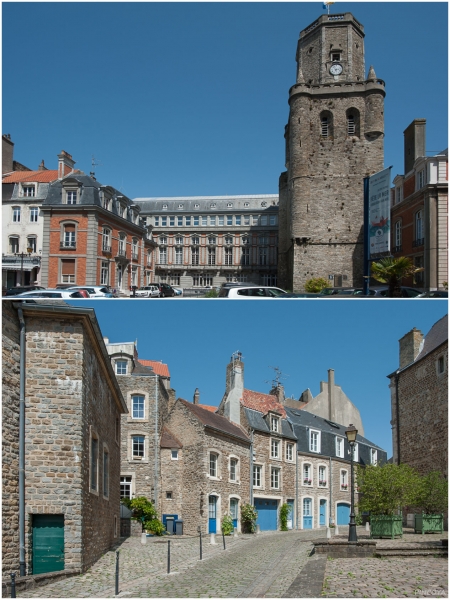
point(315, 285)
point(249, 514)
point(386, 489)
point(212, 293)
point(432, 494)
point(227, 525)
point(154, 526)
point(285, 511)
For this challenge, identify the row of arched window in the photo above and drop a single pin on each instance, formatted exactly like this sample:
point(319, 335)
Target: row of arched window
point(327, 123)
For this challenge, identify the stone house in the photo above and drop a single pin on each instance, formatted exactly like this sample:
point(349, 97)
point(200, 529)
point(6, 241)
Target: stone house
point(93, 235)
point(207, 473)
point(59, 383)
point(145, 386)
point(419, 400)
point(205, 241)
point(419, 210)
point(324, 470)
point(23, 192)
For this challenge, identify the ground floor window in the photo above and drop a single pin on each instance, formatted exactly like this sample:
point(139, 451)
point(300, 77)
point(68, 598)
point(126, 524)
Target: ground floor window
point(236, 278)
point(175, 278)
point(269, 279)
point(202, 279)
point(125, 486)
point(68, 270)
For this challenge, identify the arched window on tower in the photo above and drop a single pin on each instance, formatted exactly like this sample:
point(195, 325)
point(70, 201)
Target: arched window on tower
point(352, 122)
point(326, 125)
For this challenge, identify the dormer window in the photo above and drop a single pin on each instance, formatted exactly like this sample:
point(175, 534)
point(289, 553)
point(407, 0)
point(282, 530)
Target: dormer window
point(180, 205)
point(212, 206)
point(29, 191)
point(246, 204)
point(164, 206)
point(229, 205)
point(71, 196)
point(196, 205)
point(121, 367)
point(275, 424)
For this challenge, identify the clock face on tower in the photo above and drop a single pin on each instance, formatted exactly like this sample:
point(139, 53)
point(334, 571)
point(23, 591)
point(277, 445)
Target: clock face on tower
point(336, 69)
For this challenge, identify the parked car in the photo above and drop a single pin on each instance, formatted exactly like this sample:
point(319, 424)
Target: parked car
point(50, 293)
point(94, 291)
point(299, 295)
point(165, 290)
point(148, 291)
point(406, 292)
point(84, 293)
point(21, 289)
point(251, 292)
point(434, 294)
point(178, 291)
point(338, 291)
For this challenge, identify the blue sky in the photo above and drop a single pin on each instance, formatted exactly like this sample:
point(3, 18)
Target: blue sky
point(191, 98)
point(303, 338)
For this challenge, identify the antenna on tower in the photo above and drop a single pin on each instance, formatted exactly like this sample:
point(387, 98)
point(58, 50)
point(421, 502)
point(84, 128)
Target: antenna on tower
point(278, 376)
point(93, 165)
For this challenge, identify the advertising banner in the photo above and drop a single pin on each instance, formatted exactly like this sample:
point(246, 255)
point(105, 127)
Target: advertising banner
point(379, 214)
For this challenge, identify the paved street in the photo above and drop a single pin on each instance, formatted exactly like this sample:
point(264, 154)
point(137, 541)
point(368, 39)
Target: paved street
point(269, 565)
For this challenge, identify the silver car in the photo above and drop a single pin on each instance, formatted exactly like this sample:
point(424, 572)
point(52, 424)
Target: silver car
point(148, 291)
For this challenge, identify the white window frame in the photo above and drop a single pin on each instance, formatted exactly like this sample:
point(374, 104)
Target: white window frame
point(138, 396)
point(289, 452)
point(307, 474)
point(322, 476)
point(275, 478)
point(174, 454)
point(355, 452)
point(274, 448)
point(314, 446)
point(126, 483)
point(339, 447)
point(234, 469)
point(257, 476)
point(135, 450)
point(16, 214)
point(71, 196)
point(213, 465)
point(343, 480)
point(34, 214)
point(120, 368)
point(373, 456)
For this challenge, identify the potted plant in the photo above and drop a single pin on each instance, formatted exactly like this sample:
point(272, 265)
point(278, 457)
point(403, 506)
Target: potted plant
point(432, 498)
point(383, 491)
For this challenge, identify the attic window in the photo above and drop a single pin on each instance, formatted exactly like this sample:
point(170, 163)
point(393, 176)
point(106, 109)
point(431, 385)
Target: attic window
point(335, 425)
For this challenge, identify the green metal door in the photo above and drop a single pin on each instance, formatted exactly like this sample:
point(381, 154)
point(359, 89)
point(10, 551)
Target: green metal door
point(48, 543)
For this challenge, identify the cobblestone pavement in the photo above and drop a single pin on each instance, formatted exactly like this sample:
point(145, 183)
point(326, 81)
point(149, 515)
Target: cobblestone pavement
point(254, 566)
point(389, 577)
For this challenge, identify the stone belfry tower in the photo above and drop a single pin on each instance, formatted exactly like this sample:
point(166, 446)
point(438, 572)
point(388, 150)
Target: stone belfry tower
point(334, 138)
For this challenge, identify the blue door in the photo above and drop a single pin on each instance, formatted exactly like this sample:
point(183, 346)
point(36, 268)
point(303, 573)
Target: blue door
point(212, 513)
point(323, 512)
point(290, 519)
point(307, 513)
point(234, 503)
point(267, 514)
point(343, 514)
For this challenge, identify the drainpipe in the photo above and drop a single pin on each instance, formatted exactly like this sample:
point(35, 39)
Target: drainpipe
point(296, 489)
point(331, 492)
point(156, 443)
point(397, 411)
point(22, 568)
point(251, 467)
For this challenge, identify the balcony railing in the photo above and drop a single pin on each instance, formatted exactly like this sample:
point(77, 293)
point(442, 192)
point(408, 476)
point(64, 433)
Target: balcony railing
point(122, 252)
point(106, 248)
point(418, 242)
point(134, 256)
point(68, 246)
point(398, 248)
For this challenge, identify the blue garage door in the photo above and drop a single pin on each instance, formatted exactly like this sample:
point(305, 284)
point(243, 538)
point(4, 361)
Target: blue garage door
point(343, 514)
point(267, 514)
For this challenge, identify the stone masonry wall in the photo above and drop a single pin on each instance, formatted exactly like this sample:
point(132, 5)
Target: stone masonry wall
point(423, 414)
point(171, 482)
point(143, 470)
point(10, 438)
point(101, 508)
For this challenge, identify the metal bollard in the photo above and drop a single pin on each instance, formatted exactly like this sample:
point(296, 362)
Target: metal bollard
point(223, 537)
point(168, 556)
point(13, 585)
point(117, 572)
point(201, 545)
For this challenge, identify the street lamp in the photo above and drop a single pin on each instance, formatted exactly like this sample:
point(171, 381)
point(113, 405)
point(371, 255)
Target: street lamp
point(22, 254)
point(351, 433)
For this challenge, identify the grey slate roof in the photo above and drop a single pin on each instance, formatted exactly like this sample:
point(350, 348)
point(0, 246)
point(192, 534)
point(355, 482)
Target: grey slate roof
point(256, 421)
point(437, 335)
point(203, 203)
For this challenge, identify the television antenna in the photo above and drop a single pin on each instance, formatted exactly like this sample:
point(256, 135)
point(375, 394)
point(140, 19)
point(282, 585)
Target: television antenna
point(279, 375)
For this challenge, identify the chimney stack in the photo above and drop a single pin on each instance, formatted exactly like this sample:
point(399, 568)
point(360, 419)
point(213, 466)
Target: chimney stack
point(42, 166)
point(234, 388)
point(331, 396)
point(65, 164)
point(196, 396)
point(410, 346)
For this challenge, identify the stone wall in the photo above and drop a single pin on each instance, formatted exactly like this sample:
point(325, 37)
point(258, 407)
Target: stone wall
point(10, 438)
point(423, 414)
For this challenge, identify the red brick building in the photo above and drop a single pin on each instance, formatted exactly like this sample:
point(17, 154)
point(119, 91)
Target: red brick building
point(419, 210)
point(93, 235)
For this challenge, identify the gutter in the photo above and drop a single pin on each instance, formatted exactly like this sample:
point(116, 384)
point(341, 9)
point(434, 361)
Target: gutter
point(397, 414)
point(156, 442)
point(22, 566)
point(251, 466)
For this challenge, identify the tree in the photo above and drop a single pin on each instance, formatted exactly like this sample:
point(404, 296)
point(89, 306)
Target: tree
point(432, 494)
point(315, 285)
point(144, 511)
point(384, 489)
point(391, 271)
point(249, 514)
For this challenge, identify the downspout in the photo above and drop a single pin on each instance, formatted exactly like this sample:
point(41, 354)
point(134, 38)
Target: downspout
point(22, 567)
point(296, 489)
point(331, 493)
point(397, 411)
point(251, 467)
point(156, 442)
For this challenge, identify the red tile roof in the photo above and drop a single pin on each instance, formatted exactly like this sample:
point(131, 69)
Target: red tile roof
point(168, 440)
point(262, 402)
point(215, 421)
point(38, 176)
point(207, 407)
point(159, 367)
